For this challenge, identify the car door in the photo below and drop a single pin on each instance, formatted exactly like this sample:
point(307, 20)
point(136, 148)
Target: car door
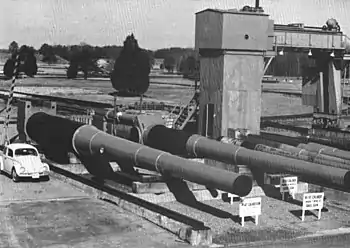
point(4, 160)
point(8, 161)
point(3, 167)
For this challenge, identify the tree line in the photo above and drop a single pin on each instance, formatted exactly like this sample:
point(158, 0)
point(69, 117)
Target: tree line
point(130, 74)
point(84, 57)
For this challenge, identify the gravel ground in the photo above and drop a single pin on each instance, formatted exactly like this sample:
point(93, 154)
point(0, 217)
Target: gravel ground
point(279, 220)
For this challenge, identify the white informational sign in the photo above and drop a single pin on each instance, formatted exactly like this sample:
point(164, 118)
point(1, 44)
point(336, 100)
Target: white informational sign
point(312, 201)
point(250, 207)
point(288, 185)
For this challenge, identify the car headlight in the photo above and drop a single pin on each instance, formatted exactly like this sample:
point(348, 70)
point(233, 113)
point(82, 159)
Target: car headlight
point(22, 169)
point(46, 167)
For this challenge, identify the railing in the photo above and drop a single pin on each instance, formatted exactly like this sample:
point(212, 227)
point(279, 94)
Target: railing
point(86, 119)
point(172, 117)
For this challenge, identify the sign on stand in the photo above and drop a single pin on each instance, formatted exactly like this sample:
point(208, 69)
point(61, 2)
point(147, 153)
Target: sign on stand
point(288, 185)
point(250, 207)
point(312, 201)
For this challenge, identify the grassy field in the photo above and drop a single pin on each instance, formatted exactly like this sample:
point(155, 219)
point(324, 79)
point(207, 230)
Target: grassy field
point(165, 88)
point(98, 89)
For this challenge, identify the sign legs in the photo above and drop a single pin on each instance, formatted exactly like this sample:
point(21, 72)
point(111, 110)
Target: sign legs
point(303, 215)
point(319, 213)
point(256, 220)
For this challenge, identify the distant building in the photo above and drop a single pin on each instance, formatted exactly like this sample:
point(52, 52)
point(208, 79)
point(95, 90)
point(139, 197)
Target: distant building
point(101, 63)
point(157, 64)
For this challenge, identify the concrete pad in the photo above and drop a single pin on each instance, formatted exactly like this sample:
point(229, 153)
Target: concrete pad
point(185, 227)
point(77, 223)
point(36, 190)
point(279, 220)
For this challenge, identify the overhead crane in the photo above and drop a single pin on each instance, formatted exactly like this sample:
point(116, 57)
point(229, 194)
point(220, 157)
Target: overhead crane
point(321, 87)
point(297, 37)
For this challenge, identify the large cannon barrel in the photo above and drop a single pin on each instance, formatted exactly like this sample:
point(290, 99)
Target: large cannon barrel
point(339, 142)
point(199, 146)
point(327, 150)
point(87, 141)
point(307, 143)
point(52, 132)
point(319, 159)
point(302, 152)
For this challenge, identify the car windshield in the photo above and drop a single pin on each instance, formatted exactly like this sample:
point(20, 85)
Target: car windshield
point(26, 152)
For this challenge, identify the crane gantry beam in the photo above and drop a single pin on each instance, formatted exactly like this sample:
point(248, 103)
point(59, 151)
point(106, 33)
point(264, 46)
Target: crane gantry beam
point(298, 36)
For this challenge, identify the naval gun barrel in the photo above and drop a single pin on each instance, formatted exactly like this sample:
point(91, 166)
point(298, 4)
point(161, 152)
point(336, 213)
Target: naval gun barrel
point(311, 144)
point(326, 150)
point(179, 142)
point(254, 142)
point(87, 140)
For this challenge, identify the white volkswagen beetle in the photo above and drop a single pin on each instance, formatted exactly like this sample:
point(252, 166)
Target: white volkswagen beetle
point(23, 160)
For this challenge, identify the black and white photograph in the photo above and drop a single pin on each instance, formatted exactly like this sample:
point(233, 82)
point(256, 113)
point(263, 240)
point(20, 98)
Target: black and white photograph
point(174, 123)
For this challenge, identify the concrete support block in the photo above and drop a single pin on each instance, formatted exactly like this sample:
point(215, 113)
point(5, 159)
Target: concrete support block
point(196, 237)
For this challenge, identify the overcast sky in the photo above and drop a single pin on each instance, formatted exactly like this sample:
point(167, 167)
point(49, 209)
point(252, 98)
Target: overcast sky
point(155, 23)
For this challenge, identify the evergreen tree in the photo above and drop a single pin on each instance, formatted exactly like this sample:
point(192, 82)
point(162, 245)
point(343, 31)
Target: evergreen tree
point(131, 69)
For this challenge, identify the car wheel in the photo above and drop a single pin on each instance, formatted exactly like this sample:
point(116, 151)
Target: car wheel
point(14, 175)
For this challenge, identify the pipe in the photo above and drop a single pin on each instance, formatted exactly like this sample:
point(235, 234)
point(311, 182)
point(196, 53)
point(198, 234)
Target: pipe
point(88, 141)
point(251, 141)
point(166, 139)
point(122, 118)
point(202, 146)
point(326, 150)
point(131, 133)
point(303, 143)
point(292, 141)
point(316, 159)
point(340, 143)
point(199, 146)
point(256, 139)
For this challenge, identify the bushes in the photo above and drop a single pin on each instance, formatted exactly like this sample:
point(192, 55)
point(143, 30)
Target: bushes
point(9, 67)
point(28, 63)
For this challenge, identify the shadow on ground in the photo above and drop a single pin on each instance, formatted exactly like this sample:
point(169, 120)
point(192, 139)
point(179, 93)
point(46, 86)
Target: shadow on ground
point(184, 195)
